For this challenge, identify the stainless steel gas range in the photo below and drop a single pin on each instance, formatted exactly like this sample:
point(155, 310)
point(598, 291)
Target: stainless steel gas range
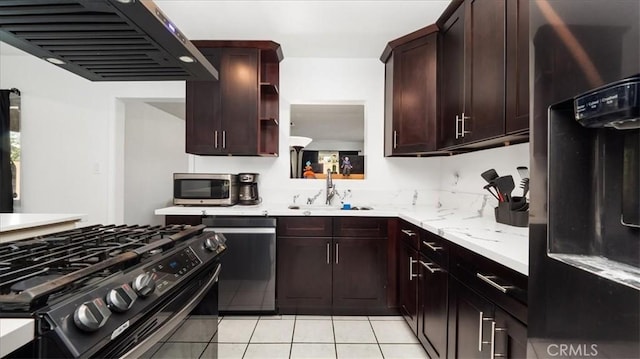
point(107, 291)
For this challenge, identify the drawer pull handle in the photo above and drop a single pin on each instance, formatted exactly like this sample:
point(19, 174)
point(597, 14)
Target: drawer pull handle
point(328, 260)
point(480, 330)
point(432, 246)
point(411, 262)
point(494, 329)
point(488, 280)
point(408, 232)
point(430, 269)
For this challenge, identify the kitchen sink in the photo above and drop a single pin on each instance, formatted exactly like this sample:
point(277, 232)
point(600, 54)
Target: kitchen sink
point(326, 208)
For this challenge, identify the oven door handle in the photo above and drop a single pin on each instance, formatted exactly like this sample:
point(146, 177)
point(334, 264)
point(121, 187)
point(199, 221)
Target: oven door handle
point(172, 323)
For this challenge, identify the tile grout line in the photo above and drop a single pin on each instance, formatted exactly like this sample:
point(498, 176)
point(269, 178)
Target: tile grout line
point(375, 336)
point(293, 334)
point(335, 341)
point(249, 342)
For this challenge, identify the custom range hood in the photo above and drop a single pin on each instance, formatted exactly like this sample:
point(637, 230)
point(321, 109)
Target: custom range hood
point(104, 40)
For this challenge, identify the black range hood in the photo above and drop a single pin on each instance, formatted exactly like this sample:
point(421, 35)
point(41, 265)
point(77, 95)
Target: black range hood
point(104, 40)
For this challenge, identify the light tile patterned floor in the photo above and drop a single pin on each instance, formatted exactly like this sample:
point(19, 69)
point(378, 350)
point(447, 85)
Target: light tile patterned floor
point(291, 336)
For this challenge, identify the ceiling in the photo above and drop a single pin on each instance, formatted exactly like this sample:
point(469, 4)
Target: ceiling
point(321, 28)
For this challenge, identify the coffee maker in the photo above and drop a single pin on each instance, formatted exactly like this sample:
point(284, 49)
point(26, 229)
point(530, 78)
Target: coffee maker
point(248, 188)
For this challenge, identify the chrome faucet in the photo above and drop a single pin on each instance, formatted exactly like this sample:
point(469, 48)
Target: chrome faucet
point(331, 188)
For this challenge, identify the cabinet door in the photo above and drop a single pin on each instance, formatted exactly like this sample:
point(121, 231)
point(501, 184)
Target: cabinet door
point(408, 284)
point(452, 75)
point(484, 69)
point(203, 111)
point(414, 103)
point(359, 275)
point(470, 317)
point(239, 89)
point(510, 337)
point(517, 76)
point(304, 266)
point(432, 311)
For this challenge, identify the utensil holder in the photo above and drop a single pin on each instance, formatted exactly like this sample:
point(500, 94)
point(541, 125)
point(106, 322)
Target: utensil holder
point(505, 215)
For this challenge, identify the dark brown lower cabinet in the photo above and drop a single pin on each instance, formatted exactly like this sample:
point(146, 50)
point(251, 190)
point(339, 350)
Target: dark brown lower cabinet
point(480, 329)
point(359, 274)
point(511, 336)
point(341, 269)
point(304, 274)
point(470, 317)
point(432, 309)
point(408, 284)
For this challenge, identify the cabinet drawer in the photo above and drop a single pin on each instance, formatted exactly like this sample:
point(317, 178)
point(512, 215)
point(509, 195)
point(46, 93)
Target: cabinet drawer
point(360, 227)
point(435, 248)
point(304, 226)
point(503, 286)
point(409, 234)
point(177, 219)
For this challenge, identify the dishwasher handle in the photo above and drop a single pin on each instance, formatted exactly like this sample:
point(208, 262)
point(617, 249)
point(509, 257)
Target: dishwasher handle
point(248, 230)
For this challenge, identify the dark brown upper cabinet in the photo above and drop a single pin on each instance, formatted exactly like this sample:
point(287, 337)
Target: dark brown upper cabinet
point(411, 101)
point(484, 74)
point(237, 115)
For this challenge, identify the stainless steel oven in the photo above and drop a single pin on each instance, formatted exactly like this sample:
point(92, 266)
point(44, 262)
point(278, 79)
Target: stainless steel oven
point(107, 291)
point(205, 189)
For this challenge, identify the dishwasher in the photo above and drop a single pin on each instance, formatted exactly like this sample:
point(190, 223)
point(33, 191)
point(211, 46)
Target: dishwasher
point(248, 277)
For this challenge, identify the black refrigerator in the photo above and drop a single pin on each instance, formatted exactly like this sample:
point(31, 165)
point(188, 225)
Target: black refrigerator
point(584, 240)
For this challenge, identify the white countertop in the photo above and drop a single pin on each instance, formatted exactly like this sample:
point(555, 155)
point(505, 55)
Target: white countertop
point(15, 333)
point(15, 226)
point(507, 245)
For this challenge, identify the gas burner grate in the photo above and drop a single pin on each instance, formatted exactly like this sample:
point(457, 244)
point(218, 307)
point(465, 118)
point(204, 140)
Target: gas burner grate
point(64, 260)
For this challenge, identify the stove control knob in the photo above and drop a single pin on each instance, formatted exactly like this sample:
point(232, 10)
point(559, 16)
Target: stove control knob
point(213, 243)
point(121, 299)
point(92, 315)
point(144, 285)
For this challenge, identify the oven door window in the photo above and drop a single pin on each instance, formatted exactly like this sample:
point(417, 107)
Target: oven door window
point(202, 189)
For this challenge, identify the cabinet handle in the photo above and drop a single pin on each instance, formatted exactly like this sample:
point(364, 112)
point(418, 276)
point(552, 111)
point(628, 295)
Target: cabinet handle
point(337, 252)
point(408, 232)
point(480, 330)
point(495, 329)
point(411, 263)
point(457, 127)
point(463, 119)
point(432, 270)
point(395, 139)
point(215, 139)
point(224, 139)
point(328, 249)
point(487, 279)
point(432, 246)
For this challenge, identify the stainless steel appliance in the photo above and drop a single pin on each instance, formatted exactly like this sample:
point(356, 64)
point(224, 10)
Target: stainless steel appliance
point(205, 189)
point(104, 40)
point(584, 266)
point(106, 291)
point(247, 284)
point(248, 188)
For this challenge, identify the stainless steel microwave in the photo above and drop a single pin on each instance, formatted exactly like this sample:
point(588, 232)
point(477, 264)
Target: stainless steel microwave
point(205, 189)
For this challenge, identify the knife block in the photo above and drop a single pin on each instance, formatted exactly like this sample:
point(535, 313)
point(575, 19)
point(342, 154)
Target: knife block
point(505, 215)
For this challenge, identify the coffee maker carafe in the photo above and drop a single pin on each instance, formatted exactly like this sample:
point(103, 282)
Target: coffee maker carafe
point(248, 188)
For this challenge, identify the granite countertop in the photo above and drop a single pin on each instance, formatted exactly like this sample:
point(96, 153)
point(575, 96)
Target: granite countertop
point(507, 245)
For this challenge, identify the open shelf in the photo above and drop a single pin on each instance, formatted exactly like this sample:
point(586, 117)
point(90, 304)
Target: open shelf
point(268, 88)
point(270, 121)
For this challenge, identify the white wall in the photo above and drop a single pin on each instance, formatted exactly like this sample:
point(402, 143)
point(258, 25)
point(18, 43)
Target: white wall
point(72, 136)
point(154, 150)
point(461, 173)
point(326, 80)
point(74, 147)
